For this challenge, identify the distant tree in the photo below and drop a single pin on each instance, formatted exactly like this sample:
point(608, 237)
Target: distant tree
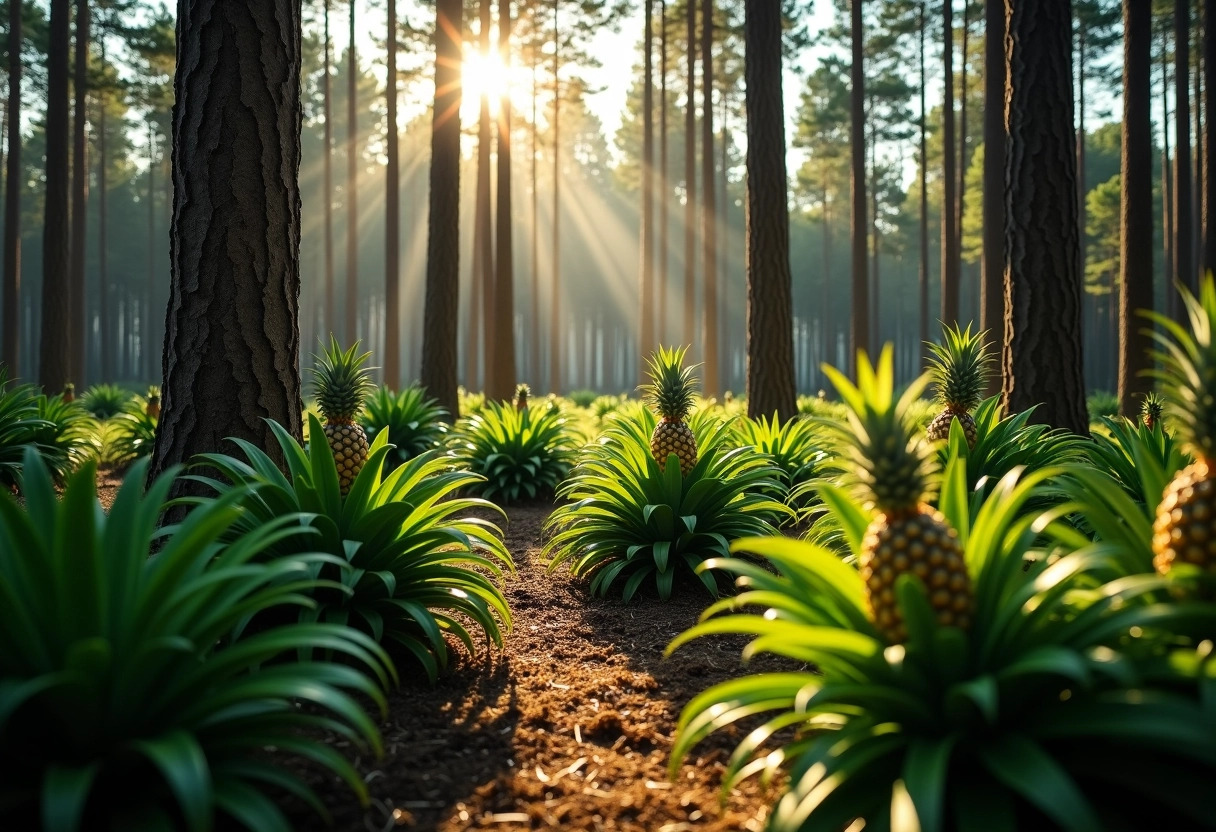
point(922, 128)
point(77, 332)
point(1209, 135)
point(501, 384)
point(770, 342)
point(646, 339)
point(709, 216)
point(11, 296)
point(992, 263)
point(236, 232)
point(483, 214)
point(663, 188)
point(690, 177)
point(1184, 266)
point(351, 321)
point(443, 239)
point(392, 216)
point(860, 333)
point(1041, 359)
point(951, 263)
point(327, 197)
point(55, 363)
point(1097, 24)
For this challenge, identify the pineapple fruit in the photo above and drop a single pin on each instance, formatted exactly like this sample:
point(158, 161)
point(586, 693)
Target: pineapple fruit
point(894, 469)
point(342, 384)
point(1151, 410)
point(521, 396)
point(670, 392)
point(69, 392)
point(1185, 527)
point(152, 407)
point(958, 371)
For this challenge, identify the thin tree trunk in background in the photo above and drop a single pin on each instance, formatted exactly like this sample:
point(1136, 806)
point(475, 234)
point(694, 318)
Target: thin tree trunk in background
point(950, 260)
point(483, 233)
point(534, 330)
point(438, 366)
point(690, 181)
point(1167, 183)
point(236, 232)
point(1082, 190)
point(351, 319)
point(108, 337)
point(54, 361)
point(826, 319)
point(723, 255)
point(875, 290)
point(770, 333)
point(10, 349)
point(664, 187)
point(1184, 266)
point(924, 195)
point(392, 219)
point(152, 347)
point(327, 165)
point(710, 376)
point(646, 272)
point(555, 306)
point(77, 333)
point(961, 195)
point(857, 132)
point(1042, 355)
point(992, 263)
point(1136, 205)
point(502, 386)
point(1209, 136)
point(1197, 192)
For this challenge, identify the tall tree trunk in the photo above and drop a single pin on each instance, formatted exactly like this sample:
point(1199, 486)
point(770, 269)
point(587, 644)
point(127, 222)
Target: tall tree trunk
point(351, 323)
point(555, 304)
point(664, 188)
point(1167, 185)
point(503, 385)
point(950, 259)
point(1198, 172)
point(992, 263)
point(961, 194)
point(1209, 136)
point(690, 180)
point(483, 219)
point(533, 329)
point(152, 347)
point(236, 232)
point(54, 366)
point(857, 133)
point(77, 333)
point(1136, 204)
point(709, 224)
point(646, 342)
point(438, 371)
point(924, 194)
point(392, 219)
point(1082, 190)
point(1184, 267)
point(770, 322)
point(327, 165)
point(108, 337)
point(826, 318)
point(1042, 356)
point(10, 349)
point(875, 289)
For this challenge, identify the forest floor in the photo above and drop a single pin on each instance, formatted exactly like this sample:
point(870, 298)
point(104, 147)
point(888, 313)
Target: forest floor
point(568, 727)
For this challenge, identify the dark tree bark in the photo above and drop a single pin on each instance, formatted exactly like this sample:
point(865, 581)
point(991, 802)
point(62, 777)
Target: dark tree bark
point(502, 386)
point(327, 165)
point(770, 324)
point(1167, 191)
point(950, 258)
point(232, 342)
point(77, 332)
point(351, 323)
point(151, 345)
point(1042, 355)
point(646, 342)
point(960, 200)
point(1209, 136)
point(10, 349)
point(392, 219)
point(483, 211)
point(992, 261)
point(443, 239)
point(1082, 190)
point(709, 221)
point(54, 368)
point(857, 132)
point(924, 195)
point(1136, 205)
point(108, 336)
point(1184, 266)
point(664, 188)
point(555, 294)
point(690, 180)
point(534, 329)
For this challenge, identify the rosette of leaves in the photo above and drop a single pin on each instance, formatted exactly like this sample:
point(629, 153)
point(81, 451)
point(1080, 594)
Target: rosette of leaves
point(66, 435)
point(131, 697)
point(628, 520)
point(105, 400)
point(415, 421)
point(1042, 715)
point(518, 454)
point(19, 421)
point(131, 434)
point(402, 561)
point(795, 447)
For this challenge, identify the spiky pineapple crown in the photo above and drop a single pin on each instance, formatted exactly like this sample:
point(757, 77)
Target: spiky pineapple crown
point(892, 465)
point(1186, 368)
point(672, 385)
point(1152, 408)
point(522, 391)
point(342, 382)
point(958, 367)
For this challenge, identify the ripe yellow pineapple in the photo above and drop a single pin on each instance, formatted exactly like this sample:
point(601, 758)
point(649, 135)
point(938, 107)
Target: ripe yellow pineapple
point(1185, 527)
point(670, 392)
point(958, 370)
point(521, 396)
point(342, 385)
point(1151, 409)
point(894, 468)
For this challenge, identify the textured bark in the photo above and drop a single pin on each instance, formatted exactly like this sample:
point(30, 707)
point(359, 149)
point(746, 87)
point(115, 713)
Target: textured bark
point(443, 237)
point(77, 333)
point(690, 180)
point(770, 324)
point(108, 336)
point(152, 346)
point(483, 216)
point(709, 221)
point(54, 367)
point(950, 258)
point(1042, 357)
point(646, 343)
point(502, 385)
point(232, 342)
point(327, 166)
point(992, 261)
point(10, 347)
point(663, 189)
point(1136, 201)
point(1209, 136)
point(392, 219)
point(1184, 266)
point(533, 329)
point(857, 132)
point(1082, 190)
point(1167, 190)
point(555, 293)
point(351, 323)
point(924, 195)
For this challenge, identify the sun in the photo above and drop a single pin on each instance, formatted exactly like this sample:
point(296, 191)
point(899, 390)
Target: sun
point(485, 74)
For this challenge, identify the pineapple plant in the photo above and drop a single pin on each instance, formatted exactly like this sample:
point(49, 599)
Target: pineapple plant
point(1184, 530)
point(69, 392)
point(670, 392)
point(1151, 409)
point(895, 471)
point(342, 384)
point(152, 406)
point(521, 396)
point(958, 370)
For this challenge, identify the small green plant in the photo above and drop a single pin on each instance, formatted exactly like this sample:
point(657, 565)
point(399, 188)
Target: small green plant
point(1102, 405)
point(795, 447)
point(602, 406)
point(582, 398)
point(67, 435)
point(131, 434)
point(415, 421)
point(629, 519)
point(130, 697)
point(105, 400)
point(518, 454)
point(19, 421)
point(400, 559)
